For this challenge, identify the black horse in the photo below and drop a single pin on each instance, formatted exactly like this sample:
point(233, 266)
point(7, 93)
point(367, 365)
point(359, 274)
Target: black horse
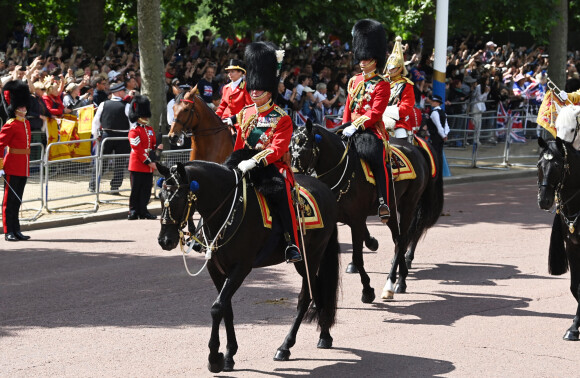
point(240, 242)
point(418, 201)
point(558, 181)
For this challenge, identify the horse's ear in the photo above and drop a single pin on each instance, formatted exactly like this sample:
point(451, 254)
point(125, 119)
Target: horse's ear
point(163, 169)
point(180, 168)
point(309, 125)
point(542, 143)
point(191, 94)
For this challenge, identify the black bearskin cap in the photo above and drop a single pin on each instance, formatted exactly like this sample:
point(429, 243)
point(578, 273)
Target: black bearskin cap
point(260, 58)
point(140, 108)
point(16, 94)
point(369, 41)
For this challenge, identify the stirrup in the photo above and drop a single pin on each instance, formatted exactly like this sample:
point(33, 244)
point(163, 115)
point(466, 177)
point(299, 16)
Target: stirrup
point(384, 211)
point(292, 254)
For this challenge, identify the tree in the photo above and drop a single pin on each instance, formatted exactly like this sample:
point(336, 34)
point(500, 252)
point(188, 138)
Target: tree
point(90, 18)
point(151, 58)
point(558, 43)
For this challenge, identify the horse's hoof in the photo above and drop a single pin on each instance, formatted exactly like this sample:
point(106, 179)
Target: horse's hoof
point(282, 355)
point(388, 295)
point(368, 296)
point(215, 365)
point(409, 263)
point(372, 244)
point(572, 335)
point(351, 268)
point(400, 289)
point(325, 343)
point(229, 364)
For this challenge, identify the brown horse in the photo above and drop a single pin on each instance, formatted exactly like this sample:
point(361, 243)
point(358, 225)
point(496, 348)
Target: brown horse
point(211, 139)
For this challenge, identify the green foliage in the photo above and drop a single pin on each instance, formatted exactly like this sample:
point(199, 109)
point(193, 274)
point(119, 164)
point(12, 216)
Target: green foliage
point(291, 20)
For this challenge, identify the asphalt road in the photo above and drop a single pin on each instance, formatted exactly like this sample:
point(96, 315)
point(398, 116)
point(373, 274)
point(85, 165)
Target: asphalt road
point(103, 299)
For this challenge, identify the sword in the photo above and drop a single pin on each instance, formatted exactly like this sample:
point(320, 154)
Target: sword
point(13, 191)
point(302, 233)
point(392, 183)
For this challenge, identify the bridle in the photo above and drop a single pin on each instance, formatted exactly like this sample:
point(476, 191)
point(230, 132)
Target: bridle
point(314, 156)
point(572, 219)
point(167, 217)
point(189, 121)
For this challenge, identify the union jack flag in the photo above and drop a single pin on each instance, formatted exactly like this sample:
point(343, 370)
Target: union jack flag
point(299, 119)
point(28, 28)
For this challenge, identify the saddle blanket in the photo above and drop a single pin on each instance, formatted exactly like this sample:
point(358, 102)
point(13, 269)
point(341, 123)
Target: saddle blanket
point(402, 169)
point(312, 215)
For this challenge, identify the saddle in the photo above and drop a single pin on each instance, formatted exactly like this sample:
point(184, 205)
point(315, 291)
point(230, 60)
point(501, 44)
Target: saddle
point(309, 215)
point(401, 167)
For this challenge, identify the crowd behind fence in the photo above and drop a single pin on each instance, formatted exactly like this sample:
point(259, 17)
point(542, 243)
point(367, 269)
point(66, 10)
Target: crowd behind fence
point(65, 185)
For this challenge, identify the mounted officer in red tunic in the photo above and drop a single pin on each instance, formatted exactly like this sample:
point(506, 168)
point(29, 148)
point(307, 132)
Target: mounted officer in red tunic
point(235, 95)
point(399, 115)
point(265, 129)
point(368, 95)
point(14, 156)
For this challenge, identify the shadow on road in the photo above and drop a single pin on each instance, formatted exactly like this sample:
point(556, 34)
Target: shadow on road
point(467, 273)
point(46, 287)
point(367, 364)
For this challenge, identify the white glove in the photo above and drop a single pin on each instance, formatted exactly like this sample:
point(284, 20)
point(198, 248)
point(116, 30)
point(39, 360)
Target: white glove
point(246, 165)
point(563, 95)
point(228, 121)
point(2, 173)
point(349, 130)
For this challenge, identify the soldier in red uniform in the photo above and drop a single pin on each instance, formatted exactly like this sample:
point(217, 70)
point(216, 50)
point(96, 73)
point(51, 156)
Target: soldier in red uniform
point(14, 156)
point(267, 129)
point(368, 95)
point(234, 96)
point(142, 159)
point(399, 112)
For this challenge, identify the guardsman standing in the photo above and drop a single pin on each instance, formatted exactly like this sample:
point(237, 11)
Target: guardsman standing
point(267, 129)
point(142, 158)
point(235, 96)
point(368, 95)
point(14, 156)
point(399, 113)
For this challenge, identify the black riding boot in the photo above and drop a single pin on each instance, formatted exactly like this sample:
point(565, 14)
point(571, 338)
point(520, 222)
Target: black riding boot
point(292, 252)
point(381, 184)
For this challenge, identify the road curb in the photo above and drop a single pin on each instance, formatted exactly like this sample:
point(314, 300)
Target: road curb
point(491, 176)
point(119, 214)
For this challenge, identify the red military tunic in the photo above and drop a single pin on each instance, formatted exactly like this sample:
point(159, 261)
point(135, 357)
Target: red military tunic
point(15, 147)
point(268, 130)
point(142, 140)
point(402, 90)
point(233, 100)
point(368, 95)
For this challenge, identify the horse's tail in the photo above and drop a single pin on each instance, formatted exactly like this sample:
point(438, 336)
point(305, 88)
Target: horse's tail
point(431, 202)
point(327, 285)
point(557, 259)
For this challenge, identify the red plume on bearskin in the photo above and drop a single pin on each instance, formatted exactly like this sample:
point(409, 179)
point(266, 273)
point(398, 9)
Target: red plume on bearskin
point(262, 66)
point(16, 94)
point(369, 41)
point(140, 108)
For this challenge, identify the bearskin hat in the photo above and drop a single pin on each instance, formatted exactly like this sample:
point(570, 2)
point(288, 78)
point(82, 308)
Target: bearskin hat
point(369, 41)
point(140, 108)
point(262, 67)
point(16, 94)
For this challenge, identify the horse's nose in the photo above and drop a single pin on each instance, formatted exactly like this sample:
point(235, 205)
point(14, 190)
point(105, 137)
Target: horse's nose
point(166, 243)
point(545, 200)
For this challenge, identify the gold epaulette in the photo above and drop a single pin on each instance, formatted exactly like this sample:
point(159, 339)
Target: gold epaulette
point(1, 163)
point(280, 111)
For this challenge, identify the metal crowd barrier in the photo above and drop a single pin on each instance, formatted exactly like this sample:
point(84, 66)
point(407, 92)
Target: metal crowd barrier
point(493, 145)
point(66, 181)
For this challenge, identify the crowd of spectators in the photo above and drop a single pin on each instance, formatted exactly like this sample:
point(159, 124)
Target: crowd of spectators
point(313, 81)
